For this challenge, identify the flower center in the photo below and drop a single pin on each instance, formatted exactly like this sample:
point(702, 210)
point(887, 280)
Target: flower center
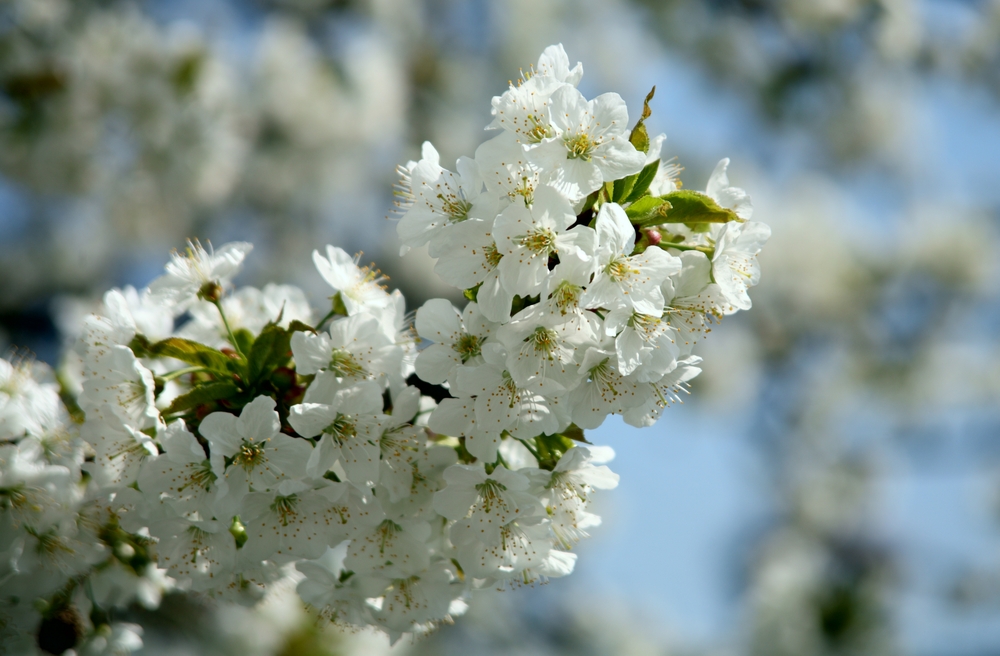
point(579, 146)
point(566, 296)
point(455, 208)
point(342, 428)
point(619, 269)
point(541, 241)
point(603, 376)
point(544, 340)
point(385, 531)
point(201, 476)
point(284, 508)
point(647, 325)
point(492, 255)
point(198, 538)
point(343, 364)
point(526, 190)
point(13, 497)
point(489, 493)
point(467, 346)
point(249, 456)
point(510, 387)
point(538, 130)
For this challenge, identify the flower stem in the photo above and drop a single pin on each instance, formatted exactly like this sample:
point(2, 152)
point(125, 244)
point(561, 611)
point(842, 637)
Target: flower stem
point(225, 322)
point(329, 315)
point(181, 372)
point(707, 250)
point(530, 448)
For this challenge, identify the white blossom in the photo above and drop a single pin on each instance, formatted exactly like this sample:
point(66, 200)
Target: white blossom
point(259, 454)
point(188, 273)
point(359, 286)
point(622, 279)
point(590, 143)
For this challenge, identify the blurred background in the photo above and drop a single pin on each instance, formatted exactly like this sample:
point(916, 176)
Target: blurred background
point(831, 486)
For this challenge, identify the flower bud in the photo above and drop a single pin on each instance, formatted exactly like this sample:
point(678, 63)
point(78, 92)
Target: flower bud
point(211, 291)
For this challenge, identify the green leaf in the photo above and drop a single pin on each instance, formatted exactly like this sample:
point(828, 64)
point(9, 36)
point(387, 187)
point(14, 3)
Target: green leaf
point(203, 394)
point(642, 181)
point(639, 136)
point(270, 350)
point(623, 188)
point(191, 352)
point(244, 340)
point(645, 207)
point(694, 207)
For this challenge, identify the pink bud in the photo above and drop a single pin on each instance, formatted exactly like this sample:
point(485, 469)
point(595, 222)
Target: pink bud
point(653, 235)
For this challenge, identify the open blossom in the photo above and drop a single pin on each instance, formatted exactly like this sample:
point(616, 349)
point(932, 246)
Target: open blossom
point(197, 270)
point(734, 265)
point(646, 344)
point(294, 520)
point(528, 236)
point(117, 380)
point(29, 403)
point(258, 454)
point(523, 109)
point(471, 258)
point(441, 198)
point(603, 389)
point(457, 339)
point(359, 287)
point(120, 448)
point(354, 348)
point(349, 421)
point(182, 474)
point(487, 501)
point(544, 347)
point(624, 280)
point(663, 392)
point(589, 144)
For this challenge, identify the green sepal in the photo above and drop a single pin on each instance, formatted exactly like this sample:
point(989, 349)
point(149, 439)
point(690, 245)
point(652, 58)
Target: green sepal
point(297, 326)
point(639, 136)
point(337, 305)
point(472, 293)
point(202, 394)
point(643, 179)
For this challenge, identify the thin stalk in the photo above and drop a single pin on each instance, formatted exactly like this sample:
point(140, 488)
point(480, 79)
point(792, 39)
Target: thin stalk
point(329, 315)
point(232, 337)
point(530, 448)
point(687, 247)
point(180, 372)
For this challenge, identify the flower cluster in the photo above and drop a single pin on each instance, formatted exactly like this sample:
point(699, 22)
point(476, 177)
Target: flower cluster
point(215, 440)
